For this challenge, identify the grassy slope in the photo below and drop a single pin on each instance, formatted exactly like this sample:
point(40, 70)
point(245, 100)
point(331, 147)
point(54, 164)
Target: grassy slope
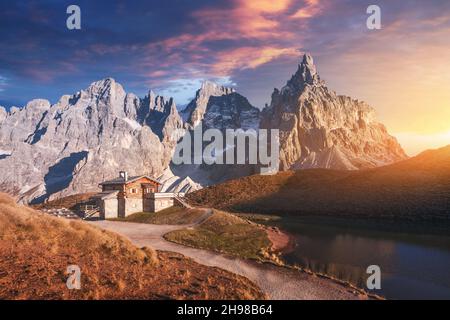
point(225, 233)
point(69, 202)
point(35, 250)
point(173, 216)
point(417, 189)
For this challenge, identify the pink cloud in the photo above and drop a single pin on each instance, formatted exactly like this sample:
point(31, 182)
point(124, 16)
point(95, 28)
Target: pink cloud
point(248, 58)
point(310, 9)
point(262, 29)
point(255, 21)
point(40, 73)
point(246, 19)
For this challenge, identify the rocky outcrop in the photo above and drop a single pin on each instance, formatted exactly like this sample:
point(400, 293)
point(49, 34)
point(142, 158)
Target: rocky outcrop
point(217, 107)
point(231, 111)
point(19, 123)
point(162, 116)
point(320, 129)
point(195, 110)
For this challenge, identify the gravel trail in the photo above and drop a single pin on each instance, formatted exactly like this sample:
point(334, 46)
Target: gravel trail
point(277, 282)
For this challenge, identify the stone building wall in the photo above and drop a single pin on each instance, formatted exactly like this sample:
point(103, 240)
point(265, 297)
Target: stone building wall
point(162, 203)
point(109, 208)
point(132, 205)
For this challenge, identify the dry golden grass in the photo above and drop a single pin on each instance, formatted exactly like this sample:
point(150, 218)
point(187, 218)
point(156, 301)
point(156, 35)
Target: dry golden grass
point(417, 189)
point(35, 250)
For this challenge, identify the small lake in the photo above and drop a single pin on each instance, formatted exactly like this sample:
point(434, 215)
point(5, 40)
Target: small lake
point(412, 266)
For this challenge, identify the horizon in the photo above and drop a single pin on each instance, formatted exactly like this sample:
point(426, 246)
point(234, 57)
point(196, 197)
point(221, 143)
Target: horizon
point(400, 70)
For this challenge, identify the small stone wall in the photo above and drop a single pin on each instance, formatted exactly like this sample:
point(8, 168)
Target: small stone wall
point(108, 208)
point(158, 201)
point(133, 205)
point(163, 203)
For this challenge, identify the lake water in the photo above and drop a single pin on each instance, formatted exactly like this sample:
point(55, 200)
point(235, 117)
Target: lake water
point(412, 266)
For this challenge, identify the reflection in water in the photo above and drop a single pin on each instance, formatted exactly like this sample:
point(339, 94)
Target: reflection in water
point(413, 267)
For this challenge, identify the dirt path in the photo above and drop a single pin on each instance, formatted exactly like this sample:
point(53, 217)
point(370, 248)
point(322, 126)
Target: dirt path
point(277, 282)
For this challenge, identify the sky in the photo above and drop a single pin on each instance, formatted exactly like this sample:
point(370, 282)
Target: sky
point(171, 46)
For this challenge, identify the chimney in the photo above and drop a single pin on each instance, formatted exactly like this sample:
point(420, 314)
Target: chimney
point(123, 175)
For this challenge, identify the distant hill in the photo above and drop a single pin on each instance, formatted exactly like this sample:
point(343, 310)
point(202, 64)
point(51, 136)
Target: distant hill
point(416, 189)
point(36, 249)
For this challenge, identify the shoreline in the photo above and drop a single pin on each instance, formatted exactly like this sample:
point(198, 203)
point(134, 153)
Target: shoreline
point(300, 259)
point(284, 242)
point(283, 283)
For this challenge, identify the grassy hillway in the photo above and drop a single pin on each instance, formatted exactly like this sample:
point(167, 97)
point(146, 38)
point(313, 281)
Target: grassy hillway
point(212, 230)
point(225, 233)
point(35, 250)
point(414, 190)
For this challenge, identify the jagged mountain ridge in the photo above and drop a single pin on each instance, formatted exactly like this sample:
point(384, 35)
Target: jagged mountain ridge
point(320, 129)
point(196, 109)
point(70, 146)
point(217, 107)
point(47, 151)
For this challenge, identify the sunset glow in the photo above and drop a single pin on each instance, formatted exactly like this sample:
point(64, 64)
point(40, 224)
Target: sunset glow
point(402, 70)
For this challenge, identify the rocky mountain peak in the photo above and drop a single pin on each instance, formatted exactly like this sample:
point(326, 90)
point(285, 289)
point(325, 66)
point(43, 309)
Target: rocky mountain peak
point(154, 102)
point(161, 115)
point(151, 94)
point(107, 90)
point(104, 84)
point(171, 107)
point(319, 129)
point(195, 110)
point(39, 104)
point(213, 89)
point(308, 65)
point(306, 75)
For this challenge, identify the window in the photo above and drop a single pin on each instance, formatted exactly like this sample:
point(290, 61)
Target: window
point(133, 190)
point(149, 190)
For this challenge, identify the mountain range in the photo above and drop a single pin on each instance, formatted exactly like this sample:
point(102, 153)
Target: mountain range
point(48, 151)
